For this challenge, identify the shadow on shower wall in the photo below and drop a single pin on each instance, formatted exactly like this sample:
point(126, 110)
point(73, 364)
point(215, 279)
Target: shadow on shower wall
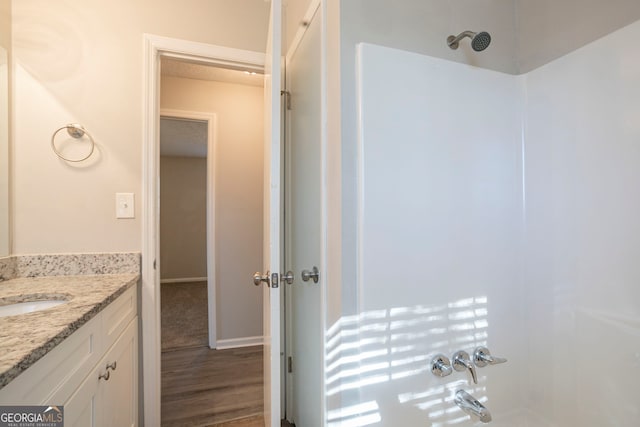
point(389, 351)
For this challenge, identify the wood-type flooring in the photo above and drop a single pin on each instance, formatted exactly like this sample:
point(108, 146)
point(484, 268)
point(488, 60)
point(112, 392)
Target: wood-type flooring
point(203, 387)
point(252, 422)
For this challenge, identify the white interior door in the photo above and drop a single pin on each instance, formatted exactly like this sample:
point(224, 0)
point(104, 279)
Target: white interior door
point(303, 229)
point(272, 217)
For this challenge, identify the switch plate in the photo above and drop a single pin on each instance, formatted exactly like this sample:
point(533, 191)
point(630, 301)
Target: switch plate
point(125, 205)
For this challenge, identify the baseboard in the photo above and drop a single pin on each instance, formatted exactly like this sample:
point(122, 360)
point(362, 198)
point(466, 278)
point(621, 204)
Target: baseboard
point(238, 342)
point(184, 280)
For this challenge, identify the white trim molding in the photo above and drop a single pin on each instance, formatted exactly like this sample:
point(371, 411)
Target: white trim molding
point(156, 47)
point(239, 342)
point(207, 53)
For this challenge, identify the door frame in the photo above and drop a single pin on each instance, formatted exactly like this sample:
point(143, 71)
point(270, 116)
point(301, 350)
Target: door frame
point(156, 47)
point(212, 126)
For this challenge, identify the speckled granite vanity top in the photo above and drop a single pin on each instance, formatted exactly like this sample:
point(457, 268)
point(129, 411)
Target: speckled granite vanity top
point(25, 338)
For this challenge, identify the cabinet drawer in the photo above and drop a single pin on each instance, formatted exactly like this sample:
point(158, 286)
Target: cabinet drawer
point(52, 379)
point(117, 315)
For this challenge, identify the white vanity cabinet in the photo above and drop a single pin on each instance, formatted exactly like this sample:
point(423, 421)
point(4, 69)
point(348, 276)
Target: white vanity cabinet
point(107, 397)
point(93, 372)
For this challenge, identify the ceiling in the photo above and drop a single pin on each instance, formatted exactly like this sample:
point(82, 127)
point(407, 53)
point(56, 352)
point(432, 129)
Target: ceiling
point(191, 70)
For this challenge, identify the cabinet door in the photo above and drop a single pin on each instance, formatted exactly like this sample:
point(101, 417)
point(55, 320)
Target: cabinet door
point(83, 408)
point(110, 401)
point(120, 393)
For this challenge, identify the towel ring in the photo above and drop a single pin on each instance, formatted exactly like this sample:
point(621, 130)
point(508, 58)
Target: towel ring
point(76, 131)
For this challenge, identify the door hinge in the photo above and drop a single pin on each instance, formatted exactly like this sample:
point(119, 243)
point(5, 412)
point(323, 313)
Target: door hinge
point(287, 98)
point(154, 264)
point(289, 364)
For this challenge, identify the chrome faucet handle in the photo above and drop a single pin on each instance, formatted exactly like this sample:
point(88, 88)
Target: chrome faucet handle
point(441, 366)
point(482, 357)
point(462, 362)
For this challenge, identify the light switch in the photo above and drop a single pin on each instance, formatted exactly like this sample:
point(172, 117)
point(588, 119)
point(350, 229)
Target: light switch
point(125, 205)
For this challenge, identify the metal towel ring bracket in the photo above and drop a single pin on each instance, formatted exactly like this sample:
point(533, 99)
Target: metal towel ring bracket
point(76, 131)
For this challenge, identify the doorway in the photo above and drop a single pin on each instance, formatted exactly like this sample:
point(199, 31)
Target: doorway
point(187, 230)
point(232, 119)
point(210, 237)
point(157, 47)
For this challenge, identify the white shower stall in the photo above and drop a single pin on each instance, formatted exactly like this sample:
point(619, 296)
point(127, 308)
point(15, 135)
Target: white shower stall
point(484, 208)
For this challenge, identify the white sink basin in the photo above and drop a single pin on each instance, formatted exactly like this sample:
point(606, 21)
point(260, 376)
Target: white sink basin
point(28, 307)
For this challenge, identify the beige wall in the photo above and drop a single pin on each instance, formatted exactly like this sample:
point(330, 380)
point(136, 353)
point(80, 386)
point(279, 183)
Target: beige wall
point(81, 61)
point(549, 29)
point(183, 217)
point(422, 26)
point(238, 187)
point(5, 24)
point(5, 123)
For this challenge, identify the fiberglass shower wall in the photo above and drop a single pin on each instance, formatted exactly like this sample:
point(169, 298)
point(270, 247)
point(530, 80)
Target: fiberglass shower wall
point(582, 275)
point(439, 235)
point(419, 26)
point(484, 208)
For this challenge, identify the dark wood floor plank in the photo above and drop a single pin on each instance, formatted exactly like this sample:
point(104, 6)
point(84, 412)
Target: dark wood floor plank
point(244, 422)
point(203, 387)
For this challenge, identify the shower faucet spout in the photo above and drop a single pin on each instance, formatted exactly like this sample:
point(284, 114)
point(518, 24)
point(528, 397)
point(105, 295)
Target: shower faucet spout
point(471, 406)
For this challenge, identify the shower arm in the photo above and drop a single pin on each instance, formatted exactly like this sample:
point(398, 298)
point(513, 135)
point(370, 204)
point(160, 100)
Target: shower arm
point(453, 40)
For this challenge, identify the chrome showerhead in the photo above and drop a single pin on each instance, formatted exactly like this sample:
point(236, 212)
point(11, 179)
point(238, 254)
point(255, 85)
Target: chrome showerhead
point(479, 41)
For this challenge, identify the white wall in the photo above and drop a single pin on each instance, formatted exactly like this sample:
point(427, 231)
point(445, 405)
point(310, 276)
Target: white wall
point(583, 235)
point(183, 217)
point(81, 61)
point(418, 26)
point(238, 176)
point(525, 33)
point(439, 227)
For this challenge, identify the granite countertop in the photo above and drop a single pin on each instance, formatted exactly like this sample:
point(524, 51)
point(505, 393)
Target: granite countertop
point(25, 338)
